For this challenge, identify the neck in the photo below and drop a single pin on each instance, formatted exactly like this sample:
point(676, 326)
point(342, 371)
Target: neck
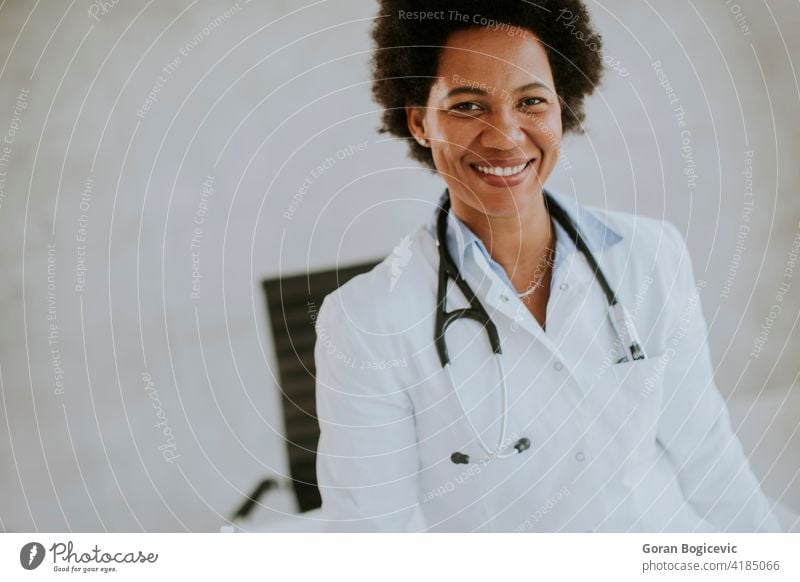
point(521, 241)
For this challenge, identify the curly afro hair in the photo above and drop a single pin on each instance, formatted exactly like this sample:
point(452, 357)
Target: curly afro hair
point(409, 36)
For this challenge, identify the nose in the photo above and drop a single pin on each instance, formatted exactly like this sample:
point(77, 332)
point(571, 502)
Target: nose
point(503, 130)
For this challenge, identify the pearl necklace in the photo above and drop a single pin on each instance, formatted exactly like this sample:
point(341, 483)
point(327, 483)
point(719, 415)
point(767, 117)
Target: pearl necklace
point(539, 279)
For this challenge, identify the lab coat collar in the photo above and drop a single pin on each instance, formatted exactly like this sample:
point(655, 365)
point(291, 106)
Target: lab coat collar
point(598, 234)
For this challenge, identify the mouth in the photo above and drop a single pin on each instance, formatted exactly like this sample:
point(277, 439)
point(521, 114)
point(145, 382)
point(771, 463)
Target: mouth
point(503, 173)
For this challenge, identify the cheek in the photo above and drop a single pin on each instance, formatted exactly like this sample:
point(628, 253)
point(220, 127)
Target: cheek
point(446, 129)
point(446, 157)
point(451, 140)
point(549, 132)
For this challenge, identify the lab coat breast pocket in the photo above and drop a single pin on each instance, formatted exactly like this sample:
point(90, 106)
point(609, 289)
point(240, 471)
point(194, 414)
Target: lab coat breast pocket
point(639, 390)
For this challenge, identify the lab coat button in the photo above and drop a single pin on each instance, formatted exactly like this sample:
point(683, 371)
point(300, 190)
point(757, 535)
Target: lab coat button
point(564, 286)
point(558, 366)
point(504, 298)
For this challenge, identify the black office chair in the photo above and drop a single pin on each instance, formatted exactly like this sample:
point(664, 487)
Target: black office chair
point(292, 305)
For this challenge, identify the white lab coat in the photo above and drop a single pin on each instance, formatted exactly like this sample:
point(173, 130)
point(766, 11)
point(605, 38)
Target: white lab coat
point(637, 446)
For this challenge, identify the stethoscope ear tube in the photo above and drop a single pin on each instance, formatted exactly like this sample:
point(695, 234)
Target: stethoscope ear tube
point(620, 317)
point(566, 222)
point(476, 311)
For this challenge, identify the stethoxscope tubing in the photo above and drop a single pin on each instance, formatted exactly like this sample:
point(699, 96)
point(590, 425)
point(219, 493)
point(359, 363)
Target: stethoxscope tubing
point(476, 311)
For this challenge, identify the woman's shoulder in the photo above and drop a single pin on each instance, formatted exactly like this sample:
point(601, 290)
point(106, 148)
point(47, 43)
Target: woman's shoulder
point(642, 236)
point(395, 290)
point(650, 250)
point(652, 271)
point(617, 233)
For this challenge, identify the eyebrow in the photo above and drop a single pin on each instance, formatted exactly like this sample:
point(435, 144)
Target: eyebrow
point(478, 91)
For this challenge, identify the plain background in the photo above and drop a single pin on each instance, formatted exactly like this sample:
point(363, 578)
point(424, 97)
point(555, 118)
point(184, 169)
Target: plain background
point(263, 94)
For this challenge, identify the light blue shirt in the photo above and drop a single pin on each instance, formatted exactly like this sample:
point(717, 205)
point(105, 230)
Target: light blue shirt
point(598, 235)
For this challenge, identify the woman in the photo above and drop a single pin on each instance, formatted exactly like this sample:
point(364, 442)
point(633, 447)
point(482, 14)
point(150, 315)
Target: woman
point(570, 420)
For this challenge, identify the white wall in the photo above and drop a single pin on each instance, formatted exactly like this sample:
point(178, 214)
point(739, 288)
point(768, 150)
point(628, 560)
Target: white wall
point(258, 103)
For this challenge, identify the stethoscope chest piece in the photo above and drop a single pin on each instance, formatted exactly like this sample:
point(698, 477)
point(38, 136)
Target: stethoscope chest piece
point(520, 446)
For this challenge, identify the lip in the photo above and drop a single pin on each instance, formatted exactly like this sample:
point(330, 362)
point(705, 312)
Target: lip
point(502, 163)
point(504, 181)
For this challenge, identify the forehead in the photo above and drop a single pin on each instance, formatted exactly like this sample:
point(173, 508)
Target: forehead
point(501, 57)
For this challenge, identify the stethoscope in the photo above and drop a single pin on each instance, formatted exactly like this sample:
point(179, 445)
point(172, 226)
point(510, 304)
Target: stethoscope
point(618, 315)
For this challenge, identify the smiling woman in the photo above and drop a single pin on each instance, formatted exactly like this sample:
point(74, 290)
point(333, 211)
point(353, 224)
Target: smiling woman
point(495, 148)
point(490, 116)
point(407, 62)
point(596, 427)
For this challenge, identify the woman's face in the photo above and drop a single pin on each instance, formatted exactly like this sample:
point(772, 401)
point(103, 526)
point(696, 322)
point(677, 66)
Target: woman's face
point(492, 121)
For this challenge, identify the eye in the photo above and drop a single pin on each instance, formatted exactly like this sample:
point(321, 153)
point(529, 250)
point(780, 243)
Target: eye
point(533, 102)
point(468, 108)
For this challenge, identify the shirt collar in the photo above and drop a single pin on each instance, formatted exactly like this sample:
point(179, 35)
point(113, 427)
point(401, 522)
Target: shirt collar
point(598, 234)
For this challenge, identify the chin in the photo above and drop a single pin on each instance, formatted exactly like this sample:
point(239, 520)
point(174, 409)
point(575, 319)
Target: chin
point(504, 202)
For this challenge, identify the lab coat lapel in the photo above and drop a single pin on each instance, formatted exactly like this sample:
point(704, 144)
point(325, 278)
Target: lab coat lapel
point(568, 286)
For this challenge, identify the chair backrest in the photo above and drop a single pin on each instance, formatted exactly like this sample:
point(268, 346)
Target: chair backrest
point(292, 303)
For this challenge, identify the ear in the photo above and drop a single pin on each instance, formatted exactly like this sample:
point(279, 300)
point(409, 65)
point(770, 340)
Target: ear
point(415, 117)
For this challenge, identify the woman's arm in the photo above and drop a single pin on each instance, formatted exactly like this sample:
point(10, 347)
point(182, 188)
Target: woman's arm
point(367, 462)
point(695, 427)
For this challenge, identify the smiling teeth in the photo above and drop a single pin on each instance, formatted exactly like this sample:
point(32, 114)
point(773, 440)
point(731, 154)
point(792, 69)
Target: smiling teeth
point(505, 172)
